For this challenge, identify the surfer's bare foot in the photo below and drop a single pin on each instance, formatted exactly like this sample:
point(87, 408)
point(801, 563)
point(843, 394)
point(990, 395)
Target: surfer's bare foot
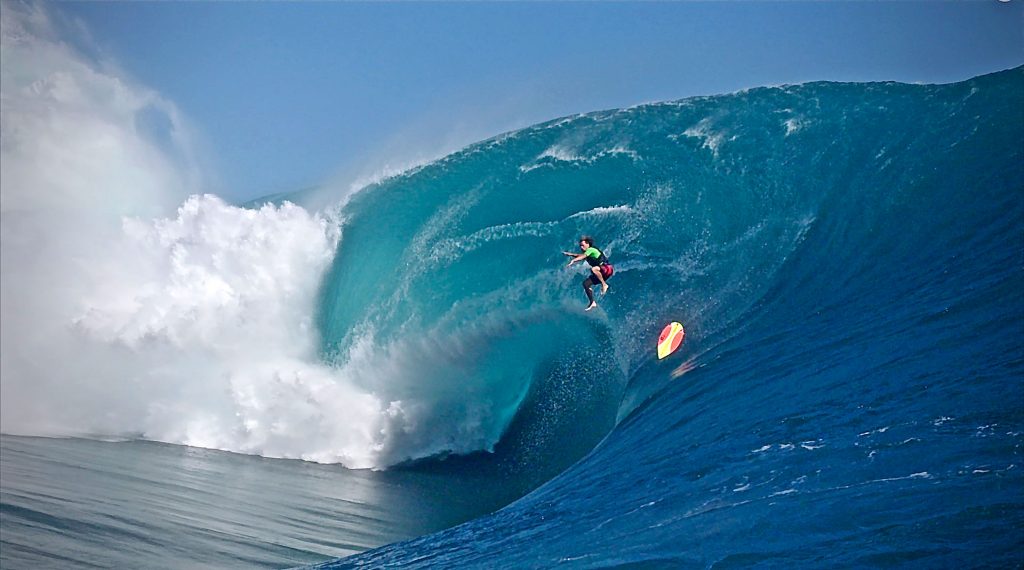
point(590, 306)
point(604, 288)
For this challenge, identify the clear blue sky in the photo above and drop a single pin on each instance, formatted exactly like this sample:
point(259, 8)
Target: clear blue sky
point(288, 95)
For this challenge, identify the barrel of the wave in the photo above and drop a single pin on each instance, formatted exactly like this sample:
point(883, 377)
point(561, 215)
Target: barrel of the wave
point(671, 337)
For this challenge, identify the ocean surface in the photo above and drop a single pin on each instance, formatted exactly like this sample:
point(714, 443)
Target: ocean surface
point(380, 365)
point(79, 503)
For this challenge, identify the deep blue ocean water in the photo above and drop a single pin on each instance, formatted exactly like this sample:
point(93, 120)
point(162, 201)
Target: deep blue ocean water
point(847, 259)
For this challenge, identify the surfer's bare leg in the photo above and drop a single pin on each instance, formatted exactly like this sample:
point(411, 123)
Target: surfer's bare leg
point(590, 294)
point(600, 277)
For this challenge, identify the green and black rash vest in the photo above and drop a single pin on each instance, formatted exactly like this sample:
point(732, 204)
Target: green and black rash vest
point(595, 257)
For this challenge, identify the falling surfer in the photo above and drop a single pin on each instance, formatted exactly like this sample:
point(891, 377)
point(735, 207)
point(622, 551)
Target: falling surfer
point(600, 269)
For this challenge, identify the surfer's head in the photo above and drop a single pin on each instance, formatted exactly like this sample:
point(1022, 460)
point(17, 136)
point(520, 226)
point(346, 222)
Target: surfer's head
point(586, 241)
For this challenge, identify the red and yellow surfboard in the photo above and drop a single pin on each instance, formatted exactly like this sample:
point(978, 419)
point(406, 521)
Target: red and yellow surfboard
point(671, 337)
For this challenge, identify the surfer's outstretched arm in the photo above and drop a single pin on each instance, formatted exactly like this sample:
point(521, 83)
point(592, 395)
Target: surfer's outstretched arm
point(576, 258)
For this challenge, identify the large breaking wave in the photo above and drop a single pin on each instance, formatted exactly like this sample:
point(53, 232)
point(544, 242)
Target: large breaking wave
point(848, 261)
point(846, 258)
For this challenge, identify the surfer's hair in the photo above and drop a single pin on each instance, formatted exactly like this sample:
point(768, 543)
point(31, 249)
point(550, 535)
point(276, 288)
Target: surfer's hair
point(589, 240)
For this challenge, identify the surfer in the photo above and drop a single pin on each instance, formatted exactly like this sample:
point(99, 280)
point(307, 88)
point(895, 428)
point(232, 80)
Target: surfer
point(600, 269)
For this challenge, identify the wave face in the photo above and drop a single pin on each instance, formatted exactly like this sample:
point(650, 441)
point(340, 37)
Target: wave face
point(847, 260)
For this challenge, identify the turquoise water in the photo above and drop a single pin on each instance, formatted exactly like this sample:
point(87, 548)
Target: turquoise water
point(848, 260)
